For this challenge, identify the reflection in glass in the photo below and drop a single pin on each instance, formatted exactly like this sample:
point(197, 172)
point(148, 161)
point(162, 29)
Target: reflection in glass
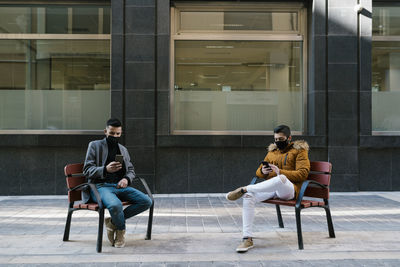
point(238, 21)
point(55, 19)
point(385, 86)
point(386, 20)
point(54, 84)
point(238, 85)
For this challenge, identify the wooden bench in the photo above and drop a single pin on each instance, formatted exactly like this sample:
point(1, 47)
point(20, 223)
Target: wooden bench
point(76, 182)
point(316, 186)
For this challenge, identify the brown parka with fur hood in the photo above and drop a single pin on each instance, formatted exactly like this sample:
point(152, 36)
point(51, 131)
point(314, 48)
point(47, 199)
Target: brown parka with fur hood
point(292, 161)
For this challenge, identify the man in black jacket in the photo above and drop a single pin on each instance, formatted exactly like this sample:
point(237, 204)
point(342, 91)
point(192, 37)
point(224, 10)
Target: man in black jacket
point(112, 179)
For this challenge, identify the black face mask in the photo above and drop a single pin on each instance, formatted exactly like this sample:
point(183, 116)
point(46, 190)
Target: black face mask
point(282, 144)
point(112, 140)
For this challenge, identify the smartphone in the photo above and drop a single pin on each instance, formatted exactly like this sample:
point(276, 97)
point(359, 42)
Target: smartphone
point(119, 158)
point(265, 163)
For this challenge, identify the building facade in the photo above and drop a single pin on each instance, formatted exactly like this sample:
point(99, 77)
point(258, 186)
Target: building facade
point(199, 86)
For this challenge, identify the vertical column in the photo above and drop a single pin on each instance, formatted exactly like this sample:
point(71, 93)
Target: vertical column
point(117, 59)
point(365, 44)
point(317, 75)
point(342, 85)
point(140, 83)
point(168, 178)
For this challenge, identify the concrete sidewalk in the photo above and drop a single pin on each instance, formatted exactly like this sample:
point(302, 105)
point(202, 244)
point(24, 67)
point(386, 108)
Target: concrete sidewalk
point(204, 230)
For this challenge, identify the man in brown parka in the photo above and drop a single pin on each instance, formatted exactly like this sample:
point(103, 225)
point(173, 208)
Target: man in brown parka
point(285, 168)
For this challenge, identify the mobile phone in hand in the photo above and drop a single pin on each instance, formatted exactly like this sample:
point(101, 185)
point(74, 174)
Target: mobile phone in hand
point(119, 158)
point(266, 164)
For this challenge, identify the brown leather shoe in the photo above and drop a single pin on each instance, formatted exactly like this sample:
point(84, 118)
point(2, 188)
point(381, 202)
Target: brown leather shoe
point(235, 194)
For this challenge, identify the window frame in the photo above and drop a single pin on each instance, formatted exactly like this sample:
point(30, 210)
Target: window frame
point(383, 38)
point(64, 36)
point(230, 35)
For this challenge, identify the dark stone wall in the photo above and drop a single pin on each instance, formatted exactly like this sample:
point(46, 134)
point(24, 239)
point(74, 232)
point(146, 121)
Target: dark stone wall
point(338, 113)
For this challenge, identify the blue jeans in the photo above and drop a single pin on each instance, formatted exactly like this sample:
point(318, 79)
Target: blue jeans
point(111, 196)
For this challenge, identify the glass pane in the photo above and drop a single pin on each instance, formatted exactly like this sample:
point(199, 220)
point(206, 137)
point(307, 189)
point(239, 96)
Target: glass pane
point(385, 86)
point(55, 19)
point(386, 20)
point(238, 85)
point(239, 21)
point(54, 84)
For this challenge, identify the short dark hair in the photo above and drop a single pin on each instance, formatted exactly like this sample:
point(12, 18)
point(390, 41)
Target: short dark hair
point(114, 122)
point(283, 129)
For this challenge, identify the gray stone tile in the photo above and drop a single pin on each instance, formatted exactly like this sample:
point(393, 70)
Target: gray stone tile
point(342, 77)
point(395, 179)
point(239, 167)
point(117, 106)
point(344, 159)
point(139, 47)
point(163, 113)
point(343, 132)
point(365, 63)
point(342, 21)
point(143, 159)
point(140, 20)
point(365, 113)
point(139, 132)
point(140, 104)
point(176, 160)
point(343, 105)
point(205, 170)
point(319, 17)
point(117, 61)
point(140, 76)
point(163, 16)
point(342, 3)
point(342, 49)
point(375, 169)
point(117, 17)
point(163, 62)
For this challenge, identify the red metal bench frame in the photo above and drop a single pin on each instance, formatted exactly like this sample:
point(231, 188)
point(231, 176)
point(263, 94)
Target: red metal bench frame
point(316, 186)
point(76, 182)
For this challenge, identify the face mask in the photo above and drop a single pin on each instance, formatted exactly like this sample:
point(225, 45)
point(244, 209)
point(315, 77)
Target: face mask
point(281, 144)
point(112, 140)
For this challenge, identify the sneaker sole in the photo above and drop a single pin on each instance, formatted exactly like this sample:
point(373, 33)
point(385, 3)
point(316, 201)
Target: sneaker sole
point(241, 250)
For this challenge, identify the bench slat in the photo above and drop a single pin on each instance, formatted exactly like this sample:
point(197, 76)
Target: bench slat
point(321, 166)
point(317, 192)
point(320, 178)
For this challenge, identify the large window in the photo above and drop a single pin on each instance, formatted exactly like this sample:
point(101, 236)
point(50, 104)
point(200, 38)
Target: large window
point(54, 67)
point(386, 69)
point(237, 69)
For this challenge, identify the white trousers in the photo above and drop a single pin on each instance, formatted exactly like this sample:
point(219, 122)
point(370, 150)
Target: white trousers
point(276, 187)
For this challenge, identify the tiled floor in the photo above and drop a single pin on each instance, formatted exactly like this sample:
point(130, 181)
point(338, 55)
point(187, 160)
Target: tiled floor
point(204, 230)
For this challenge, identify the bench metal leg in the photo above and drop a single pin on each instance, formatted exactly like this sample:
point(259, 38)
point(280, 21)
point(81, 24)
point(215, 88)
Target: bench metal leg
point(299, 233)
point(68, 225)
point(150, 223)
point(330, 223)
point(278, 212)
point(100, 233)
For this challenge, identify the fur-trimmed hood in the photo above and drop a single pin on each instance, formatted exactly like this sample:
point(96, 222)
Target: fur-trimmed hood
point(298, 144)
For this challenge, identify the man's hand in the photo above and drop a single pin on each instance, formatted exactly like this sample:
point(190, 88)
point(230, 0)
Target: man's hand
point(266, 170)
point(122, 183)
point(275, 169)
point(113, 166)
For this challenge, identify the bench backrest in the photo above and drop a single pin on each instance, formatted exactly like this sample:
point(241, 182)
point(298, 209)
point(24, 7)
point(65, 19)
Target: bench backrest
point(320, 172)
point(74, 176)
